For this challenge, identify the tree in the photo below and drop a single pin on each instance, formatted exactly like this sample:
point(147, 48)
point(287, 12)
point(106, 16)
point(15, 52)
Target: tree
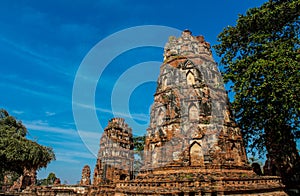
point(47, 181)
point(138, 143)
point(16, 151)
point(261, 57)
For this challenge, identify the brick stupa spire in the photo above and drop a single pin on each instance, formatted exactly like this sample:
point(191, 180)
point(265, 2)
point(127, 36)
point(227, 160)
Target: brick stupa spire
point(115, 156)
point(190, 123)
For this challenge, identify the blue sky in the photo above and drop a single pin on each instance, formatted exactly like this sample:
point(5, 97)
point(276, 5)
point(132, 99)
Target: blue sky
point(42, 44)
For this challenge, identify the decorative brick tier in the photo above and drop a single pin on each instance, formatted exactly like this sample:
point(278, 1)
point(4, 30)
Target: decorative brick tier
point(195, 181)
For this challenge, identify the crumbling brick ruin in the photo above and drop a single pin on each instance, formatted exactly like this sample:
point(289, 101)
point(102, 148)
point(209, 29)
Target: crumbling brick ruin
point(26, 180)
point(86, 176)
point(115, 157)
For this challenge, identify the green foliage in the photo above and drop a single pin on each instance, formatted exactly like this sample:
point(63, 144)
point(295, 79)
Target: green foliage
point(47, 181)
point(139, 143)
point(261, 56)
point(16, 151)
point(51, 178)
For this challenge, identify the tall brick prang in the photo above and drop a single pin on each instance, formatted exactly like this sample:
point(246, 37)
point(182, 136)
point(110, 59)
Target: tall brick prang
point(115, 157)
point(191, 124)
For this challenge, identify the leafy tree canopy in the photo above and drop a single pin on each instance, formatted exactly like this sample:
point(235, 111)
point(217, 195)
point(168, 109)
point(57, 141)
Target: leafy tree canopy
point(47, 181)
point(261, 56)
point(16, 151)
point(139, 143)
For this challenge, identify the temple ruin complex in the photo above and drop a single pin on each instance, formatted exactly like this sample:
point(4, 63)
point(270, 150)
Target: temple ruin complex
point(193, 145)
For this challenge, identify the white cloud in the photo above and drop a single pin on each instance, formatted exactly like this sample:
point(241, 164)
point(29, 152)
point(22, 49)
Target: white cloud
point(45, 127)
point(50, 113)
point(24, 50)
point(18, 112)
point(72, 156)
point(66, 159)
point(71, 149)
point(135, 116)
point(63, 143)
point(52, 63)
point(31, 91)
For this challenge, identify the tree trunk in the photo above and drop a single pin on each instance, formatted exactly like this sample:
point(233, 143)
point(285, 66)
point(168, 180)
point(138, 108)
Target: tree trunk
point(281, 148)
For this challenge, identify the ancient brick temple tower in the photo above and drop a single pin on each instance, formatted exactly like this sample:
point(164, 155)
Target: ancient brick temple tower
point(190, 122)
point(115, 157)
point(85, 177)
point(193, 145)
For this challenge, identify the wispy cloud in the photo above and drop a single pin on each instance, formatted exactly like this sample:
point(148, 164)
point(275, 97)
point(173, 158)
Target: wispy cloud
point(135, 116)
point(72, 149)
point(19, 79)
point(36, 92)
point(75, 154)
point(63, 158)
point(45, 127)
point(76, 144)
point(50, 113)
point(18, 112)
point(72, 155)
point(24, 50)
point(50, 62)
